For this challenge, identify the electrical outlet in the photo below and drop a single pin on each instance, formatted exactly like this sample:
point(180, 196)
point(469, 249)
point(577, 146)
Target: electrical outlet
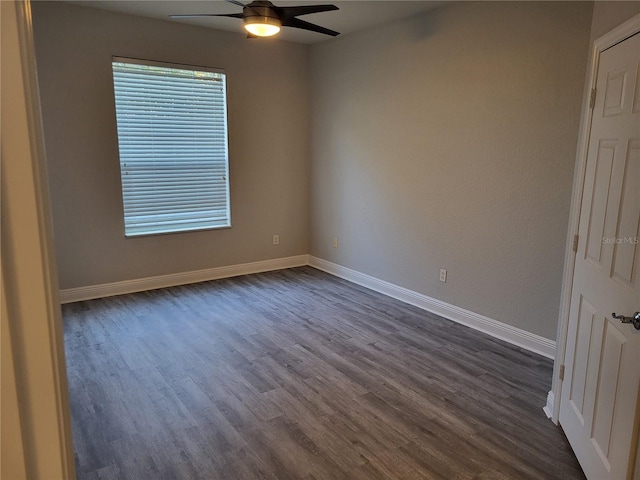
point(335, 242)
point(443, 275)
point(276, 239)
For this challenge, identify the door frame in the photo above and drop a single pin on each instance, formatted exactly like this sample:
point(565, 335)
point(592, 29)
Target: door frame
point(34, 377)
point(615, 36)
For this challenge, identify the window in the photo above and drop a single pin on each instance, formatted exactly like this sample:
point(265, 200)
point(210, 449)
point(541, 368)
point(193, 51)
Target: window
point(172, 138)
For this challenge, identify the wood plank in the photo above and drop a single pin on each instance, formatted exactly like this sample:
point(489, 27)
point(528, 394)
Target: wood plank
point(297, 374)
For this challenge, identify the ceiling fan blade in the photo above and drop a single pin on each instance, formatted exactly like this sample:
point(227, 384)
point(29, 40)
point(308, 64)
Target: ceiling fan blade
point(236, 2)
point(297, 23)
point(290, 12)
point(232, 15)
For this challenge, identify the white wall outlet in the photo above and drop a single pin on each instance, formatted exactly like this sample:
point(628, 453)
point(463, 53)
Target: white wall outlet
point(335, 242)
point(443, 275)
point(276, 239)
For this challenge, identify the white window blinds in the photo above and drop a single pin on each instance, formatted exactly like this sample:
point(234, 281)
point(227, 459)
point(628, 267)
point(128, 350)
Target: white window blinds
point(172, 137)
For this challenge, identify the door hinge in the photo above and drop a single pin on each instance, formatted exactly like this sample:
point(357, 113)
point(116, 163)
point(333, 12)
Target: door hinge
point(561, 373)
point(576, 238)
point(592, 100)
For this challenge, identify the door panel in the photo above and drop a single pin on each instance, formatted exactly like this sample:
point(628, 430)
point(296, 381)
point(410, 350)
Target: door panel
point(613, 345)
point(625, 251)
point(584, 345)
point(601, 183)
point(614, 92)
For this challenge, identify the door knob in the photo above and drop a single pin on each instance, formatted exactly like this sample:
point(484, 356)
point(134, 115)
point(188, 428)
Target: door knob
point(635, 320)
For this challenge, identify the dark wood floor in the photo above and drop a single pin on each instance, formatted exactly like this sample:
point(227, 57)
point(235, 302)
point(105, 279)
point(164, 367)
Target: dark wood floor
point(299, 375)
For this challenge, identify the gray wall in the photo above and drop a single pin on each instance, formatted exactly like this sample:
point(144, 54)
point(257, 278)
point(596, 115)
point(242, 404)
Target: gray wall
point(268, 102)
point(448, 140)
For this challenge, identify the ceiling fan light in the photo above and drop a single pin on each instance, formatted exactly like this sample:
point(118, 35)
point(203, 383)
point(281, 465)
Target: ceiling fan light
point(262, 26)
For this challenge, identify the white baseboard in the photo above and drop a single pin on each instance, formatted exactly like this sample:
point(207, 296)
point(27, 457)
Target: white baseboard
point(495, 328)
point(548, 408)
point(516, 336)
point(162, 281)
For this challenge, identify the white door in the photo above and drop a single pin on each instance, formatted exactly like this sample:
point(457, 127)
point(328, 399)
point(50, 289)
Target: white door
point(599, 408)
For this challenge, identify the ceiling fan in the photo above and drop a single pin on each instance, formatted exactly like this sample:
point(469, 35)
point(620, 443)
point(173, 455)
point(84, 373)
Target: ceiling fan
point(263, 19)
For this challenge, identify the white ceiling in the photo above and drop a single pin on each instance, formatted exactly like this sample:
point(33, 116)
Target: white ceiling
point(353, 14)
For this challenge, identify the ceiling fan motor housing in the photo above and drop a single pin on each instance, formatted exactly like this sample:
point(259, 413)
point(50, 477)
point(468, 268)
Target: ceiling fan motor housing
point(261, 11)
